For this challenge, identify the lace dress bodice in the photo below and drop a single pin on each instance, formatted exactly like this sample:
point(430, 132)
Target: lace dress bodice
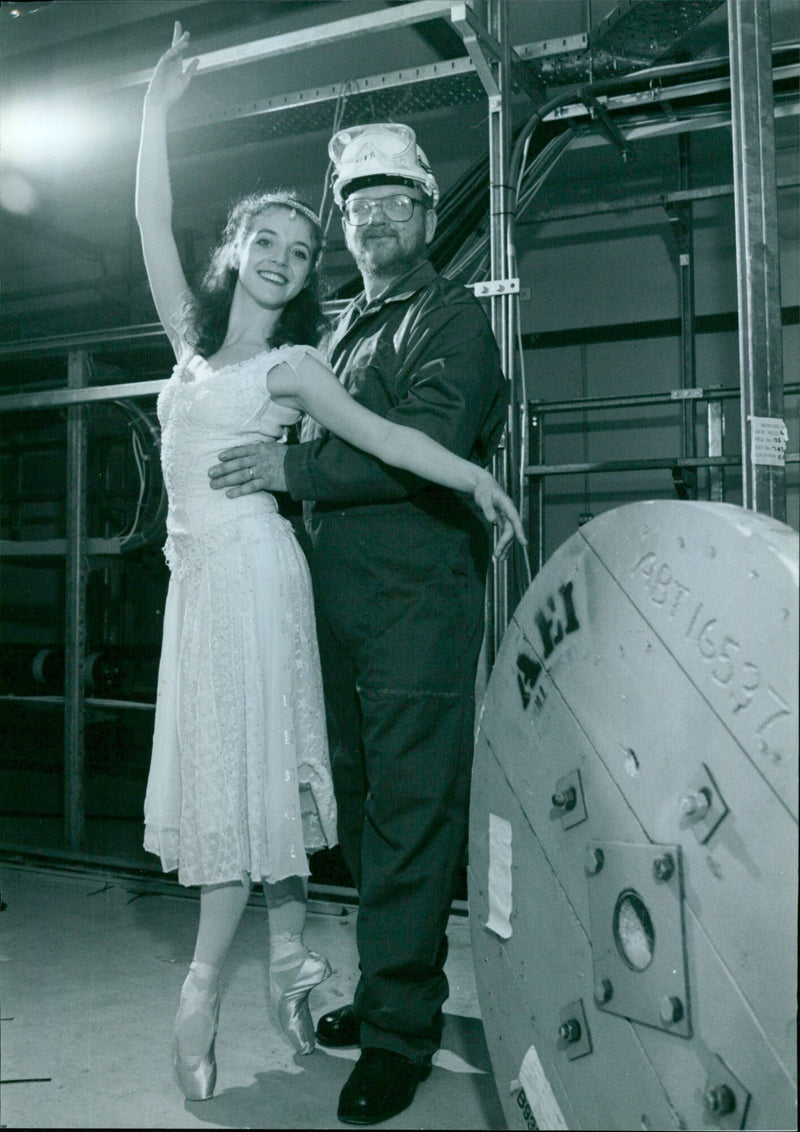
point(202, 411)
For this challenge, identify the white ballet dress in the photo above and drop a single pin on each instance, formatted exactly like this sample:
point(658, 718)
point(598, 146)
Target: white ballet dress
point(239, 778)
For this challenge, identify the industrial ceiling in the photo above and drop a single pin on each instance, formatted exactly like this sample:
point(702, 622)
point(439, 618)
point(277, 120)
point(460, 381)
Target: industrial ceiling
point(74, 73)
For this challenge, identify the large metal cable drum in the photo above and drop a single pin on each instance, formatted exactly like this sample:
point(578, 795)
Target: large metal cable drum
point(633, 845)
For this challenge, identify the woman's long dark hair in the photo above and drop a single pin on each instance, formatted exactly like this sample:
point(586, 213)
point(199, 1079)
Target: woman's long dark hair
point(205, 317)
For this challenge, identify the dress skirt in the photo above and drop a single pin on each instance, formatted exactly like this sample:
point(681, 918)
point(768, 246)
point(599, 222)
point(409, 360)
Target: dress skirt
point(239, 781)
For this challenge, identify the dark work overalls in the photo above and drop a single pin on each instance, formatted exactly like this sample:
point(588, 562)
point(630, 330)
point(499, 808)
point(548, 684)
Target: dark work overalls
point(398, 567)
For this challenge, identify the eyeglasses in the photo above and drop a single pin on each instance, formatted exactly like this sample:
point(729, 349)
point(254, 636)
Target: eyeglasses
point(360, 211)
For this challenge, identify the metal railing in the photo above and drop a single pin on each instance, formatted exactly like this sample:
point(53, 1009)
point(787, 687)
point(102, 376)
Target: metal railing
point(537, 470)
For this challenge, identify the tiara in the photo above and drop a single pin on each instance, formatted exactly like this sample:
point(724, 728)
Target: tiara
point(303, 209)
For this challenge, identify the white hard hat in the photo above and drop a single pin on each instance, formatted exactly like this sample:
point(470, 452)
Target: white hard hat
point(378, 154)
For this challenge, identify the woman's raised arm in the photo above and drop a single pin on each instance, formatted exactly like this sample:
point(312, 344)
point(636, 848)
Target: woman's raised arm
point(153, 193)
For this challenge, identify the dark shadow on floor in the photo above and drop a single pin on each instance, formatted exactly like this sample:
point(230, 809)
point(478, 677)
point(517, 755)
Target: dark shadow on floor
point(460, 1093)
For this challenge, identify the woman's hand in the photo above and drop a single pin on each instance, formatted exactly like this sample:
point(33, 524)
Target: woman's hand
point(498, 509)
point(170, 80)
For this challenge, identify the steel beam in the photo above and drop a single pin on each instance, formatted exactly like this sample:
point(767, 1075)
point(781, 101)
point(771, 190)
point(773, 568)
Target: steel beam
point(57, 548)
point(638, 400)
point(502, 306)
point(653, 92)
point(57, 398)
point(75, 612)
point(644, 465)
point(304, 38)
point(757, 254)
point(59, 344)
point(683, 229)
point(483, 46)
point(534, 510)
point(645, 30)
point(715, 442)
point(94, 394)
point(645, 200)
point(365, 85)
point(462, 68)
point(491, 54)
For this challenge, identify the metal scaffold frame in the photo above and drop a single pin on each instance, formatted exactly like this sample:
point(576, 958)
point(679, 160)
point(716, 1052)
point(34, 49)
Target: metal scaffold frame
point(482, 25)
point(757, 260)
point(491, 57)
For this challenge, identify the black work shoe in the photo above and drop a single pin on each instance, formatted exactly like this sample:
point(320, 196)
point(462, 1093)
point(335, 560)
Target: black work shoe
point(340, 1028)
point(382, 1084)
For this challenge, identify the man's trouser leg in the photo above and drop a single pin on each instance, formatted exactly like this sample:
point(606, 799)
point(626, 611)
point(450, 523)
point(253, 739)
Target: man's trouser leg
point(411, 641)
point(413, 846)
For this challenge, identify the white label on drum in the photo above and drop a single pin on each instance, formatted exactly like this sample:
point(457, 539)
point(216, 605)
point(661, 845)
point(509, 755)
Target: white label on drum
point(499, 920)
point(537, 1093)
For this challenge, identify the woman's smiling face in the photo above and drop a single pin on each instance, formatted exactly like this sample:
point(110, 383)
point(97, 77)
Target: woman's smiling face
point(276, 256)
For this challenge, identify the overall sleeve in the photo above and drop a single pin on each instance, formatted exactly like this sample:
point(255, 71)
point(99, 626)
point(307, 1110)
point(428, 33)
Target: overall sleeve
point(444, 370)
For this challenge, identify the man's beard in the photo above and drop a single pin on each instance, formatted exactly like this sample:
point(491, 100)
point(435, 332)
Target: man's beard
point(384, 256)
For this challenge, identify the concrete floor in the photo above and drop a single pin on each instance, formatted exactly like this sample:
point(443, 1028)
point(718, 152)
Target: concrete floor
point(91, 966)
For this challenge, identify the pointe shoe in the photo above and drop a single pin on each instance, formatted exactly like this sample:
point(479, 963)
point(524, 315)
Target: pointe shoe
point(197, 1076)
point(292, 1003)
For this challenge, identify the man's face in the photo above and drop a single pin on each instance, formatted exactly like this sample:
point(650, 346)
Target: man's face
point(389, 247)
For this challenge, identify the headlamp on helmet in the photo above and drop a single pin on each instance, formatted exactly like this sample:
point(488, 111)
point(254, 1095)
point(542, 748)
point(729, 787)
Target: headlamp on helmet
point(381, 153)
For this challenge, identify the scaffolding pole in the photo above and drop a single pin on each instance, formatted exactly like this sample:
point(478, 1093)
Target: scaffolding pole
point(489, 49)
point(75, 612)
point(757, 258)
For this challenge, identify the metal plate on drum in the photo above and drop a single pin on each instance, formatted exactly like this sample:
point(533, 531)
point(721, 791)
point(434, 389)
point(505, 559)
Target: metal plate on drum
point(637, 932)
point(590, 683)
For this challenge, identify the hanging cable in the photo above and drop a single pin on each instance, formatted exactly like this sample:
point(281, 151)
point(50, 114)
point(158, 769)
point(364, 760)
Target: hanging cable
point(139, 457)
point(149, 522)
point(338, 115)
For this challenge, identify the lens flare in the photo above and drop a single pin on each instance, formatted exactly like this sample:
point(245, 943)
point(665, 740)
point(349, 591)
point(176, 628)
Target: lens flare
point(47, 131)
point(17, 194)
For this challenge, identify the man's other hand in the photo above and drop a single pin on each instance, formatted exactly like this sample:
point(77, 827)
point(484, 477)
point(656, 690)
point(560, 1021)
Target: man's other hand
point(249, 468)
